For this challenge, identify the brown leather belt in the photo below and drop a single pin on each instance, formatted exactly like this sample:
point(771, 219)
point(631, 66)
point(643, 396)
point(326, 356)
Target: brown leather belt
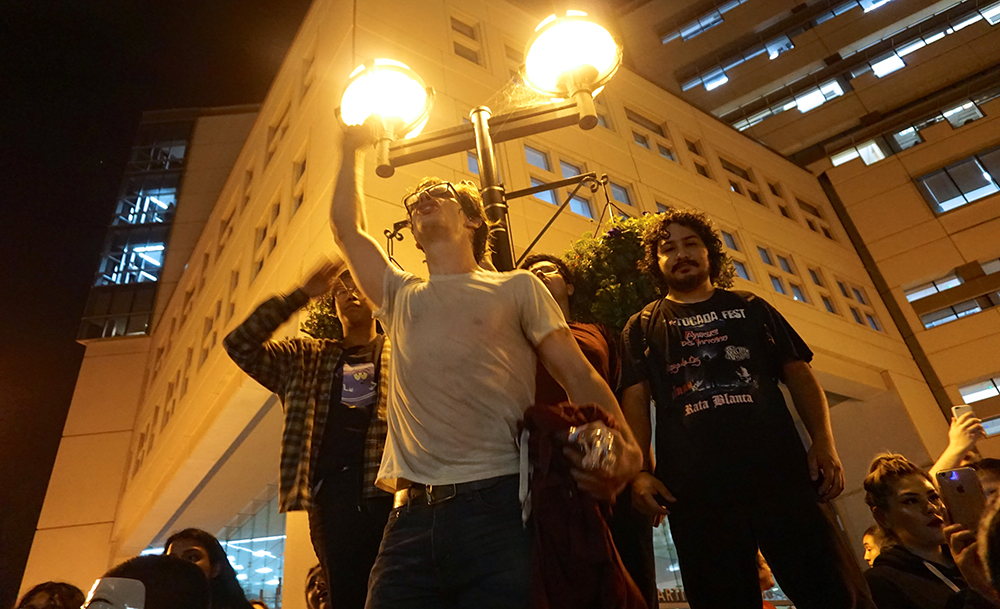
point(432, 494)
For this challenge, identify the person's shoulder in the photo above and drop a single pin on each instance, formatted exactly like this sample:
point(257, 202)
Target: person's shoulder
point(647, 312)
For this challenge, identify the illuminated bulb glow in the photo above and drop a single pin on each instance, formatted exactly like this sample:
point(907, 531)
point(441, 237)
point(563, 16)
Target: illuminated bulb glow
point(388, 89)
point(567, 44)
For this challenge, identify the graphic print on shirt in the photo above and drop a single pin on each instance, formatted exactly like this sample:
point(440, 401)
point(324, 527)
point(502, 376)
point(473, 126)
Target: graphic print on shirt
point(708, 358)
point(359, 385)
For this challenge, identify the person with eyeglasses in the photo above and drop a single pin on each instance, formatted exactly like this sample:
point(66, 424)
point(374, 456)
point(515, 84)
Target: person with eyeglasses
point(465, 346)
point(334, 396)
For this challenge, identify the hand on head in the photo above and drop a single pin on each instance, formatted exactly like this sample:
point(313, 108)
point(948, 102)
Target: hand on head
point(323, 278)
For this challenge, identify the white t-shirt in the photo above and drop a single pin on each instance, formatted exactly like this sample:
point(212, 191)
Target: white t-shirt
point(462, 372)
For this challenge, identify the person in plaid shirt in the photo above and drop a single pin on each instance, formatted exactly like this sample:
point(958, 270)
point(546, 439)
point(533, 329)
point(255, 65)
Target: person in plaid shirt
point(333, 394)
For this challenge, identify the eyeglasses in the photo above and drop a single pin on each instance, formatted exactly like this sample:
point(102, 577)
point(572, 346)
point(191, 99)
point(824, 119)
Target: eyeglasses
point(442, 190)
point(342, 292)
point(545, 269)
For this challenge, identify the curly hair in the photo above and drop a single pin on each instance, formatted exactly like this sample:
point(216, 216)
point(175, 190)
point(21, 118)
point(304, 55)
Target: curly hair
point(472, 204)
point(720, 266)
point(884, 472)
point(534, 259)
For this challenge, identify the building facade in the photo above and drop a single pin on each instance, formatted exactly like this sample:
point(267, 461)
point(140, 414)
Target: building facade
point(186, 439)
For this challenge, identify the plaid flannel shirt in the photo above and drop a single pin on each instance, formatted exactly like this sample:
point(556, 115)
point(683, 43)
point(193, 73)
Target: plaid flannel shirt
point(301, 371)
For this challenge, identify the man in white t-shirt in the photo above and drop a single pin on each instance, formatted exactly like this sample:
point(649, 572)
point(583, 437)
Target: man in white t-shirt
point(465, 346)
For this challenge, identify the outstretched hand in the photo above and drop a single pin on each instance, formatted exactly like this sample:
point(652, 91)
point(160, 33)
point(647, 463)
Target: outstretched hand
point(322, 279)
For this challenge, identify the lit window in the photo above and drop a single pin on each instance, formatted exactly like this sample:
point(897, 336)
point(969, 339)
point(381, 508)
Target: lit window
point(842, 157)
point(974, 392)
point(991, 266)
point(472, 162)
point(991, 13)
point(714, 79)
point(887, 65)
point(962, 183)
point(966, 21)
point(537, 158)
point(962, 115)
point(908, 48)
point(870, 5)
point(948, 314)
point(778, 45)
point(907, 138)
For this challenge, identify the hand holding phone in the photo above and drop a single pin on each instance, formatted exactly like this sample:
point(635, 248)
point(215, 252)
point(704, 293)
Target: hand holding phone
point(963, 496)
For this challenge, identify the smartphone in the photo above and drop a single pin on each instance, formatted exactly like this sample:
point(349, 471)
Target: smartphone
point(958, 411)
point(963, 496)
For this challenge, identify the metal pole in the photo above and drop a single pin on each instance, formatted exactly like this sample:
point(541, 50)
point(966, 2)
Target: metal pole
point(494, 202)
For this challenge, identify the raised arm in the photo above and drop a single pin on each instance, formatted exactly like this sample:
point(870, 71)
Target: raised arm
point(365, 258)
point(963, 434)
point(810, 403)
point(563, 359)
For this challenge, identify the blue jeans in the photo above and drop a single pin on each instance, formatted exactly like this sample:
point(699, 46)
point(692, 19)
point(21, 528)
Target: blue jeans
point(469, 551)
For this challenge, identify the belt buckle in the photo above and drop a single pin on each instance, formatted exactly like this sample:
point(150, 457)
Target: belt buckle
point(439, 493)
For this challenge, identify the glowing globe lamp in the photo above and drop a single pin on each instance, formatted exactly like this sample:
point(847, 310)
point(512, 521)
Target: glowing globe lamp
point(391, 91)
point(570, 54)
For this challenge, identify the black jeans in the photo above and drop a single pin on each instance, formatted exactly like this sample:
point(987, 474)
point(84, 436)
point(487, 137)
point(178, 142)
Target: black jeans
point(717, 545)
point(346, 532)
point(632, 532)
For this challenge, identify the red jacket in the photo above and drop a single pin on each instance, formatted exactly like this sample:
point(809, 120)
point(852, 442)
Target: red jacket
point(575, 563)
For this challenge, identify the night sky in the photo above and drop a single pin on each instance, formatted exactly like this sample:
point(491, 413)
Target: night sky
point(74, 79)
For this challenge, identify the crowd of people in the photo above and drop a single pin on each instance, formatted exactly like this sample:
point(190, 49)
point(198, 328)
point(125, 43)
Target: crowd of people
point(467, 443)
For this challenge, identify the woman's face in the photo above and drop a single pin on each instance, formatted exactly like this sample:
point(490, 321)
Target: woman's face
point(192, 552)
point(872, 549)
point(915, 513)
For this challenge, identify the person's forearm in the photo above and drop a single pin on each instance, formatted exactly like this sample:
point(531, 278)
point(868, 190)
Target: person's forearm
point(347, 213)
point(810, 403)
point(589, 388)
point(949, 459)
point(635, 407)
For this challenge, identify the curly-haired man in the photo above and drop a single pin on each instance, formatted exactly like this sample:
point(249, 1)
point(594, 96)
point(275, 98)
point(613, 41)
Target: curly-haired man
point(730, 468)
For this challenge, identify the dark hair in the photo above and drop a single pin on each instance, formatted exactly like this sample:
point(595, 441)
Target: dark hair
point(720, 267)
point(170, 582)
point(989, 543)
point(534, 259)
point(71, 596)
point(472, 205)
point(884, 472)
point(988, 465)
point(226, 590)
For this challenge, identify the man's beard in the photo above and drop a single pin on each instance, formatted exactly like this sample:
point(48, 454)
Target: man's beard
point(687, 283)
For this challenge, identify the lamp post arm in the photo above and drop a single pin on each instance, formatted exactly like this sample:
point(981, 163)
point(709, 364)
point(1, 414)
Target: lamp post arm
point(589, 178)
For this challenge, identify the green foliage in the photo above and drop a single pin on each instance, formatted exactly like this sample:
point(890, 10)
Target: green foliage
point(609, 285)
point(321, 321)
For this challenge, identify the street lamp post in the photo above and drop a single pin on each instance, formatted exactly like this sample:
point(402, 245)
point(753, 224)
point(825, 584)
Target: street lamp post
point(569, 59)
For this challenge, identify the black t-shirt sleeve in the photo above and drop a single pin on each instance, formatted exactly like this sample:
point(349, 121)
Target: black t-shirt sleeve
point(633, 347)
point(787, 345)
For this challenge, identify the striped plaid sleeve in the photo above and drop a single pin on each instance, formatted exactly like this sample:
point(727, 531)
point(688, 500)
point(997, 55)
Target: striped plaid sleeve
point(377, 429)
point(249, 345)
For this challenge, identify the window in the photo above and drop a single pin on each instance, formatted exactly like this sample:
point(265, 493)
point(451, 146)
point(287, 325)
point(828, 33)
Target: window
point(298, 183)
point(234, 283)
point(581, 206)
point(778, 285)
point(466, 42)
point(646, 123)
point(775, 189)
point(472, 162)
point(765, 255)
point(602, 112)
point(545, 195)
point(118, 311)
point(741, 270)
point(828, 304)
point(620, 193)
point(870, 152)
point(702, 23)
point(816, 278)
point(694, 147)
point(537, 158)
point(859, 295)
point(872, 322)
point(666, 153)
point(735, 169)
point(784, 211)
point(817, 223)
point(514, 62)
point(778, 45)
point(569, 169)
point(247, 188)
point(308, 71)
point(702, 170)
point(736, 254)
point(982, 390)
point(730, 240)
point(861, 307)
point(907, 138)
point(276, 132)
point(160, 147)
point(785, 264)
point(797, 293)
point(735, 187)
point(265, 239)
point(943, 316)
point(132, 256)
point(857, 316)
point(147, 199)
point(962, 183)
point(646, 132)
point(640, 139)
point(755, 197)
point(661, 208)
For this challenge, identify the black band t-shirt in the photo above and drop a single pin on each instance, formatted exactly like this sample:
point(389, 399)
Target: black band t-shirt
point(721, 421)
point(352, 401)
